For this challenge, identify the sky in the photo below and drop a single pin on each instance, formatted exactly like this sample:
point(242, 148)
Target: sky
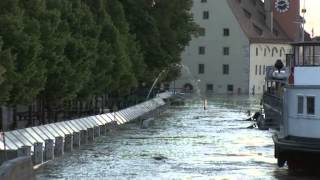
point(312, 16)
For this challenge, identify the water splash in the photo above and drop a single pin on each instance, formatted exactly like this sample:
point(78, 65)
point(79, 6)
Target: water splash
point(193, 81)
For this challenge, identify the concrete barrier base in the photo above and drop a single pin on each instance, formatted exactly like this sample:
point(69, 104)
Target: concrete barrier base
point(76, 140)
point(83, 137)
point(103, 130)
point(90, 134)
point(68, 143)
point(38, 153)
point(24, 151)
point(48, 150)
point(59, 146)
point(97, 131)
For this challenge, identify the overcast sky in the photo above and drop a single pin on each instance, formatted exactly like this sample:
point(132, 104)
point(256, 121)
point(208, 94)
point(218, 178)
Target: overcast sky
point(312, 16)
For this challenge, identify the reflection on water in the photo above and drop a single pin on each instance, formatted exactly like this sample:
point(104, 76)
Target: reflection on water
point(185, 142)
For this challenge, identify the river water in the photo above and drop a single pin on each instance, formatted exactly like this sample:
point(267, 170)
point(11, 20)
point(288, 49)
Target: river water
point(184, 142)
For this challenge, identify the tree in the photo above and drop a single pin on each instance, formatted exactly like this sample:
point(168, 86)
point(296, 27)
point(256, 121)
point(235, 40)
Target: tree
point(20, 34)
point(6, 73)
point(176, 26)
point(123, 71)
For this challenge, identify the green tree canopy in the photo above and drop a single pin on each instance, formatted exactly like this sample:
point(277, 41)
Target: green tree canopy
point(62, 50)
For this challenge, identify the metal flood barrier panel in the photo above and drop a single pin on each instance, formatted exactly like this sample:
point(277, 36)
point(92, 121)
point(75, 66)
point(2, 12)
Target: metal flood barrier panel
point(29, 136)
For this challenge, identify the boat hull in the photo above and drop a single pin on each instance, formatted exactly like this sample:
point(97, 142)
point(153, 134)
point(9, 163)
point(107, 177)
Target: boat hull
point(298, 153)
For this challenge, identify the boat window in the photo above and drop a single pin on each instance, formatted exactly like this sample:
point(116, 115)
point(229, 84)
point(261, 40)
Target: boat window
point(300, 104)
point(308, 55)
point(298, 55)
point(310, 105)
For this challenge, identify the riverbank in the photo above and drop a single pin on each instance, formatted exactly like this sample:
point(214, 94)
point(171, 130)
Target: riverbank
point(44, 143)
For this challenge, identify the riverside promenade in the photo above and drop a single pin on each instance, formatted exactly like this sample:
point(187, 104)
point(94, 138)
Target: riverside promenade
point(44, 143)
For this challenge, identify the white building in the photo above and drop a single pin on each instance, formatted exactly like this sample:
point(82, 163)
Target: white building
point(238, 40)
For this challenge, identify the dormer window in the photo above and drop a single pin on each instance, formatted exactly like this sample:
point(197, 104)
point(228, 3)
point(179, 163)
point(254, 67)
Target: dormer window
point(258, 29)
point(246, 13)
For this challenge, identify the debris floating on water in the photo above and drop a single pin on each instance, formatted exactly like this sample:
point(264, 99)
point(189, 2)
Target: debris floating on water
point(159, 157)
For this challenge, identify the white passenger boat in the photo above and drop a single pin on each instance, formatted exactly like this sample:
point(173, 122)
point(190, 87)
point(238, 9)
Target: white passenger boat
point(297, 142)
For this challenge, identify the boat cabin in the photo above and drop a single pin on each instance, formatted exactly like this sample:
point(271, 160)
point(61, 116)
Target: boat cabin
point(301, 112)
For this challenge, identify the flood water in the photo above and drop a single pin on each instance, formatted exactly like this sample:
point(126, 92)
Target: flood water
point(184, 142)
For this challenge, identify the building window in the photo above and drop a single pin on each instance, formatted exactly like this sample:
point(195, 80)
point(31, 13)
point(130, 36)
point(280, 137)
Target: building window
point(202, 32)
point(256, 72)
point(226, 32)
point(205, 15)
point(265, 51)
point(274, 50)
point(225, 69)
point(264, 69)
point(201, 69)
point(310, 105)
point(226, 51)
point(210, 87)
point(202, 50)
point(300, 104)
point(260, 70)
point(230, 88)
point(257, 52)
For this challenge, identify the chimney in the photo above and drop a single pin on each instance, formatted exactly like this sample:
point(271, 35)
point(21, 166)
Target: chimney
point(268, 8)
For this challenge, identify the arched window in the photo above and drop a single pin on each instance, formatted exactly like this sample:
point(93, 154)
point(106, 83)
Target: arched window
point(274, 51)
point(267, 50)
point(282, 52)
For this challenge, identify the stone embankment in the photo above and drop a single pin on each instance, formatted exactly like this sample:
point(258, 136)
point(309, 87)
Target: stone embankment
point(43, 143)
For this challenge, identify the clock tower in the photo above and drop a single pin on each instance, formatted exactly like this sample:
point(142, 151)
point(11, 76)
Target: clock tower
point(287, 14)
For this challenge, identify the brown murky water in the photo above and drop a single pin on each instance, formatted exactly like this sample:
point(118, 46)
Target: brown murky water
point(184, 142)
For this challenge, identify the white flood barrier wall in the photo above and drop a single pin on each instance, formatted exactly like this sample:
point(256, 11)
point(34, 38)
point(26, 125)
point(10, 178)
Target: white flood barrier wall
point(58, 137)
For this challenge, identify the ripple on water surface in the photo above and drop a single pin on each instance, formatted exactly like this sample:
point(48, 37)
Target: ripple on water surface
point(185, 142)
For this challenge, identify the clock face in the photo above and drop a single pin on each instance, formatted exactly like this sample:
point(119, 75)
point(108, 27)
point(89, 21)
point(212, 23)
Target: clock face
point(282, 5)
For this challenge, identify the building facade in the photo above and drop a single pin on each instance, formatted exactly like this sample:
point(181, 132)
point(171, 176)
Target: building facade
point(263, 55)
point(238, 39)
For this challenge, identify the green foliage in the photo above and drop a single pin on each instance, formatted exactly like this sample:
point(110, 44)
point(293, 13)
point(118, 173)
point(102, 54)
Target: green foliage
point(6, 73)
point(20, 34)
point(63, 50)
